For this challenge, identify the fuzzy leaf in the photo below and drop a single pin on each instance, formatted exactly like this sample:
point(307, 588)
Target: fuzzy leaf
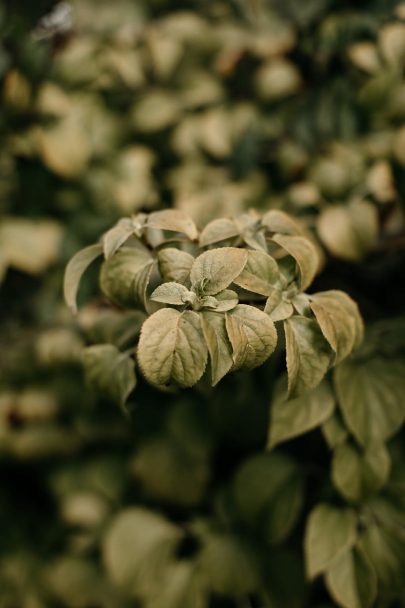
point(252, 335)
point(357, 473)
point(74, 272)
point(277, 307)
point(116, 236)
point(215, 269)
point(335, 321)
point(294, 417)
point(109, 371)
point(172, 348)
point(260, 274)
point(219, 346)
point(308, 354)
point(330, 532)
point(125, 276)
point(174, 264)
point(351, 580)
point(371, 397)
point(172, 293)
point(279, 222)
point(173, 220)
point(226, 300)
point(304, 253)
point(218, 230)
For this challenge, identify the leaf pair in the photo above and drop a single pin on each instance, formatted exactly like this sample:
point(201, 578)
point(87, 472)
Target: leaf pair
point(174, 346)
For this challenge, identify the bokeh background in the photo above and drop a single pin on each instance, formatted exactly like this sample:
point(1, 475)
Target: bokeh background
point(212, 107)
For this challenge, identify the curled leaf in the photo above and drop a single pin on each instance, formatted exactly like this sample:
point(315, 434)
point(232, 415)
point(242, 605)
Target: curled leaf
point(215, 269)
point(172, 293)
point(260, 274)
point(219, 346)
point(304, 253)
point(173, 220)
point(74, 272)
point(218, 230)
point(174, 264)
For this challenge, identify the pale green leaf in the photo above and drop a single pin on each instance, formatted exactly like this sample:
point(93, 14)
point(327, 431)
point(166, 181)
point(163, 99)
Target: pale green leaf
point(226, 300)
point(219, 346)
point(124, 277)
point(116, 236)
point(135, 543)
point(371, 397)
point(183, 587)
point(335, 322)
point(357, 473)
point(252, 335)
point(308, 354)
point(280, 222)
point(218, 230)
point(260, 274)
point(74, 272)
point(173, 220)
point(172, 348)
point(351, 580)
point(174, 264)
point(277, 307)
point(215, 269)
point(329, 533)
point(290, 418)
point(172, 293)
point(334, 431)
point(304, 253)
point(109, 371)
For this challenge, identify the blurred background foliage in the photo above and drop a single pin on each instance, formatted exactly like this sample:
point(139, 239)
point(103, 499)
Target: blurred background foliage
point(110, 108)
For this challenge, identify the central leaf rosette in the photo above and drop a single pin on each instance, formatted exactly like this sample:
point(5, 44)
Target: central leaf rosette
point(207, 319)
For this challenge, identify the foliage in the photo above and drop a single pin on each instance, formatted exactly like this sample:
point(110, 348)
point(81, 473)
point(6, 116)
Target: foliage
point(169, 122)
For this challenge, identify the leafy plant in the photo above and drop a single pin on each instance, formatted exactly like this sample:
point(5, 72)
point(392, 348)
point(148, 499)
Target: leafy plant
point(201, 314)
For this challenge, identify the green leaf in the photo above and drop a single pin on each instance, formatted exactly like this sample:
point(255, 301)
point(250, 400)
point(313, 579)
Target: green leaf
point(339, 320)
point(277, 307)
point(109, 371)
point(308, 354)
point(334, 431)
point(74, 272)
point(351, 580)
point(349, 231)
point(258, 481)
point(294, 417)
point(218, 230)
point(172, 293)
point(252, 335)
point(228, 564)
point(260, 274)
point(125, 276)
point(172, 348)
point(116, 236)
point(304, 253)
point(173, 220)
point(358, 473)
point(283, 510)
point(215, 269)
point(174, 264)
point(279, 222)
point(135, 544)
point(183, 587)
point(329, 533)
point(226, 300)
point(219, 346)
point(371, 397)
